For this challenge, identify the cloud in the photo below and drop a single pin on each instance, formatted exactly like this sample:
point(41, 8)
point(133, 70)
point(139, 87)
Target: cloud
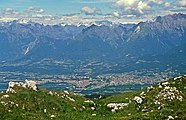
point(8, 11)
point(94, 1)
point(116, 14)
point(136, 7)
point(34, 10)
point(155, 2)
point(140, 8)
point(90, 11)
point(180, 3)
point(124, 11)
point(167, 4)
point(71, 14)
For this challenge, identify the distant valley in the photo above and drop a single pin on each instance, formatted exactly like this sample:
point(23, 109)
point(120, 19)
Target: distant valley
point(103, 54)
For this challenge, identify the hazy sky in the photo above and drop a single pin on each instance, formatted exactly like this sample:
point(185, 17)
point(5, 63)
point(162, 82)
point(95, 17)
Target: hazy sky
point(74, 11)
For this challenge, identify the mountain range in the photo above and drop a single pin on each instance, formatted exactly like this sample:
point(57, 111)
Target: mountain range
point(159, 43)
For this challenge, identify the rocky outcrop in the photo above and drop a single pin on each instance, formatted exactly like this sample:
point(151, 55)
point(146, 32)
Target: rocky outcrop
point(138, 100)
point(168, 92)
point(117, 106)
point(28, 84)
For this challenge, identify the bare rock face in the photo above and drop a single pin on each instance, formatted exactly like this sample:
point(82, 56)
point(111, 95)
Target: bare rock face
point(10, 87)
point(117, 106)
point(168, 93)
point(138, 100)
point(28, 84)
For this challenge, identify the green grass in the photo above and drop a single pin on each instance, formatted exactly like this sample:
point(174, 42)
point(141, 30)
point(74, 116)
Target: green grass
point(27, 104)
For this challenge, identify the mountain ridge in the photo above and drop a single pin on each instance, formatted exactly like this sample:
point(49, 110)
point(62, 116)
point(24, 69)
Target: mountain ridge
point(117, 44)
point(116, 36)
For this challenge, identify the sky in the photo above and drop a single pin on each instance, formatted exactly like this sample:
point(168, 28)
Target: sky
point(87, 11)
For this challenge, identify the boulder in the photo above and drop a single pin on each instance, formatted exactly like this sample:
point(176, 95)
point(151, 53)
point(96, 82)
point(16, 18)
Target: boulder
point(117, 106)
point(138, 100)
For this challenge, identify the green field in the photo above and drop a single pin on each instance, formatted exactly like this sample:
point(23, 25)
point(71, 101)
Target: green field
point(164, 101)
